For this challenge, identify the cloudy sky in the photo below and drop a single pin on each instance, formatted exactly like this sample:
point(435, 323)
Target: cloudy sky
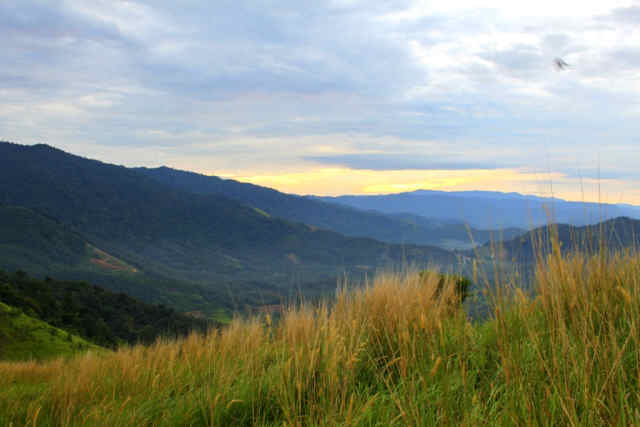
point(335, 97)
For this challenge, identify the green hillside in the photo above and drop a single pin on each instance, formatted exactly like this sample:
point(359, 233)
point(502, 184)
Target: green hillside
point(210, 241)
point(33, 242)
point(23, 337)
point(93, 313)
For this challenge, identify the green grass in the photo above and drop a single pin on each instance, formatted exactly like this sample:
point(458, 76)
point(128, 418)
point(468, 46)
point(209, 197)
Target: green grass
point(398, 352)
point(222, 316)
point(23, 337)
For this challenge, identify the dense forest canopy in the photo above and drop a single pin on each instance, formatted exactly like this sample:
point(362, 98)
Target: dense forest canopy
point(100, 316)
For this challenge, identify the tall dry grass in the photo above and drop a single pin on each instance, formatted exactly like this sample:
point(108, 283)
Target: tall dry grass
point(398, 351)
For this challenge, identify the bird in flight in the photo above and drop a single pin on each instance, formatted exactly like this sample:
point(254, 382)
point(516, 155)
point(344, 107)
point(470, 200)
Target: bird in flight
point(560, 64)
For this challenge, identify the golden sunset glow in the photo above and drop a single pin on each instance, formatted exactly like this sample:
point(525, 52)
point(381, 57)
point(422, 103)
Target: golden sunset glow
point(339, 181)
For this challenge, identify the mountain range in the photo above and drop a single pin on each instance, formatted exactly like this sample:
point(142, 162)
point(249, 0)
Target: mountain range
point(488, 209)
point(211, 246)
point(169, 244)
point(395, 228)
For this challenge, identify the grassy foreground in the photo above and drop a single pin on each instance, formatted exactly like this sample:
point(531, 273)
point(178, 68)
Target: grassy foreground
point(396, 353)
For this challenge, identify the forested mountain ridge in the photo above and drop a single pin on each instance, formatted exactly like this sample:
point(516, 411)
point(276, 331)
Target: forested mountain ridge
point(31, 241)
point(208, 240)
point(43, 246)
point(331, 216)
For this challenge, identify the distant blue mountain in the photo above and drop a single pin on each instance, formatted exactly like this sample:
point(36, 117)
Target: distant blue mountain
point(488, 209)
point(478, 194)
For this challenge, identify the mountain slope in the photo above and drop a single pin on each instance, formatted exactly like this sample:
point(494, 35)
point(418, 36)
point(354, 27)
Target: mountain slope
point(45, 247)
point(205, 239)
point(485, 209)
point(30, 241)
point(331, 216)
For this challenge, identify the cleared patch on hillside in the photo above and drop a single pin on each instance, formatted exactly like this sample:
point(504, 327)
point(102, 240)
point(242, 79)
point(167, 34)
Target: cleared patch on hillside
point(108, 262)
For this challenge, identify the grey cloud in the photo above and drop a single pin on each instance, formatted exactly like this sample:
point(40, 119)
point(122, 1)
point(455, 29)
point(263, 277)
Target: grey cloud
point(623, 58)
point(521, 60)
point(38, 20)
point(556, 42)
point(627, 15)
point(399, 162)
point(249, 46)
point(560, 44)
point(51, 48)
point(392, 124)
point(213, 52)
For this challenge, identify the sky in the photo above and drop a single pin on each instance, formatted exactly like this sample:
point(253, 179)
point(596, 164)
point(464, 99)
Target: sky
point(336, 97)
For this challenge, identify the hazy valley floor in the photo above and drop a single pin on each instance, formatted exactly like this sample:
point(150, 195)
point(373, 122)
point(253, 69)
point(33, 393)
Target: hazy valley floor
point(399, 352)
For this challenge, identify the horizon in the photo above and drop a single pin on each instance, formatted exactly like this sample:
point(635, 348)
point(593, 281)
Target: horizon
point(518, 193)
point(338, 97)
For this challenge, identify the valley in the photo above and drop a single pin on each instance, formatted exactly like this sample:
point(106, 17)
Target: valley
point(124, 230)
point(212, 246)
point(215, 248)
